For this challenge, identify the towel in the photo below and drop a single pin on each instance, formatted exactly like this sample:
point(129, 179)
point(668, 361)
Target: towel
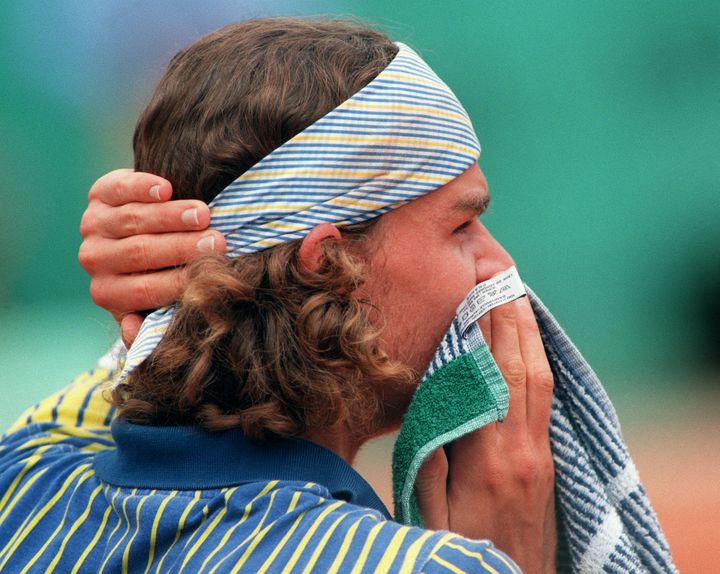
point(605, 520)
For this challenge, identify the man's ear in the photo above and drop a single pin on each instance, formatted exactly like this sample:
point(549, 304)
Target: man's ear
point(310, 253)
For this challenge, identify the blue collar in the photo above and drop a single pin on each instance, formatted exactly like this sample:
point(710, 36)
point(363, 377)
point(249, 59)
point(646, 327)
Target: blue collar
point(189, 458)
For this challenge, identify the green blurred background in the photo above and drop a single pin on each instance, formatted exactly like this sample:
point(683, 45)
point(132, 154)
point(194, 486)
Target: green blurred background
point(600, 126)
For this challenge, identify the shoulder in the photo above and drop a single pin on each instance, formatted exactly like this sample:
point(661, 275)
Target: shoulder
point(74, 421)
point(387, 546)
point(82, 404)
point(457, 554)
point(312, 532)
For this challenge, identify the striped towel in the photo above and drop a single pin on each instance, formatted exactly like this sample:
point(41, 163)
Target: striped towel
point(605, 521)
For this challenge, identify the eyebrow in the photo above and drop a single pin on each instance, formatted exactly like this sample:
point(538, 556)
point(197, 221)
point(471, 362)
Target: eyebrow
point(477, 203)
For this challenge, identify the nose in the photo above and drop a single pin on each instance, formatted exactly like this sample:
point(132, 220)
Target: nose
point(491, 257)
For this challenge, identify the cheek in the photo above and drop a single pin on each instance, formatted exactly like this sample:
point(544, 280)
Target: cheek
point(416, 296)
point(418, 320)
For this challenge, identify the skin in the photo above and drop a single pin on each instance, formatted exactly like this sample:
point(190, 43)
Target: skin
point(498, 481)
point(134, 242)
point(429, 254)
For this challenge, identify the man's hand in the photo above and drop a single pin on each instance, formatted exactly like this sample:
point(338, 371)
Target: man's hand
point(134, 241)
point(497, 482)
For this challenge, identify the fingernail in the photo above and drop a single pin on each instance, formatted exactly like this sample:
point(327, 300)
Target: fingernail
point(206, 244)
point(190, 217)
point(154, 192)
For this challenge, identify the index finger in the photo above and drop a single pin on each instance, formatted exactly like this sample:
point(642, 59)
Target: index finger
point(507, 353)
point(125, 186)
point(539, 375)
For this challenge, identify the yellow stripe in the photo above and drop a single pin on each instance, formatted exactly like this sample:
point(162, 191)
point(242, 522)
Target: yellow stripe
point(268, 242)
point(208, 531)
point(387, 141)
point(247, 552)
point(78, 521)
point(117, 512)
point(364, 204)
point(302, 545)
point(357, 202)
point(62, 434)
point(270, 485)
point(181, 525)
point(412, 79)
point(17, 533)
point(293, 501)
point(126, 554)
point(153, 531)
point(255, 536)
point(290, 207)
point(43, 511)
point(475, 555)
point(230, 531)
point(93, 542)
point(410, 108)
point(446, 564)
point(56, 434)
point(21, 493)
point(66, 411)
point(97, 409)
point(323, 542)
point(284, 226)
point(127, 521)
point(30, 463)
point(278, 547)
point(347, 541)
point(391, 552)
point(360, 563)
point(414, 549)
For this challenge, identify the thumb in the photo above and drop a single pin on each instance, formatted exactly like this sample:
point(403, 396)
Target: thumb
point(431, 491)
point(130, 325)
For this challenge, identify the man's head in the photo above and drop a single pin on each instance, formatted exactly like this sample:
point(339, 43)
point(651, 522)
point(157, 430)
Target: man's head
point(288, 339)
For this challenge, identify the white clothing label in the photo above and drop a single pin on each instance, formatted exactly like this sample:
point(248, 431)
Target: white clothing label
point(501, 289)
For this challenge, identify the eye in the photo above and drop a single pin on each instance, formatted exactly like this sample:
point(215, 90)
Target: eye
point(464, 226)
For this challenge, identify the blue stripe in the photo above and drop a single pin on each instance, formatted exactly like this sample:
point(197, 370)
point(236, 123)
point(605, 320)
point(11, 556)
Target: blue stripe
point(55, 408)
point(109, 417)
point(83, 407)
point(28, 420)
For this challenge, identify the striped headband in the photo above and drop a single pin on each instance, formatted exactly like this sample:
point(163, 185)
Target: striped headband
point(401, 136)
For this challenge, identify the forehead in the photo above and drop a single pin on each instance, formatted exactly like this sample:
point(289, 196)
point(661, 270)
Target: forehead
point(467, 192)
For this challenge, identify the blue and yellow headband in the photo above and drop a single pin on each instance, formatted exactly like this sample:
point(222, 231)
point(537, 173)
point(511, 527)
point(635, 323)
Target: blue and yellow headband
point(403, 135)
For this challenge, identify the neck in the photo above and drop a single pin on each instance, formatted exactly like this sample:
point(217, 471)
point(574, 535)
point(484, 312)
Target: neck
point(345, 441)
point(338, 439)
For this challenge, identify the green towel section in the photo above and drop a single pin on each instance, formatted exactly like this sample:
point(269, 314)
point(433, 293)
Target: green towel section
point(462, 391)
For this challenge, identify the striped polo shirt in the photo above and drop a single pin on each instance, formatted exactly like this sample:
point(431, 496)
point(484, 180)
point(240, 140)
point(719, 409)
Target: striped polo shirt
point(84, 491)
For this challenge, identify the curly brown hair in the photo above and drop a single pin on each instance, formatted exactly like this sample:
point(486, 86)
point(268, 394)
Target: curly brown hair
point(258, 341)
